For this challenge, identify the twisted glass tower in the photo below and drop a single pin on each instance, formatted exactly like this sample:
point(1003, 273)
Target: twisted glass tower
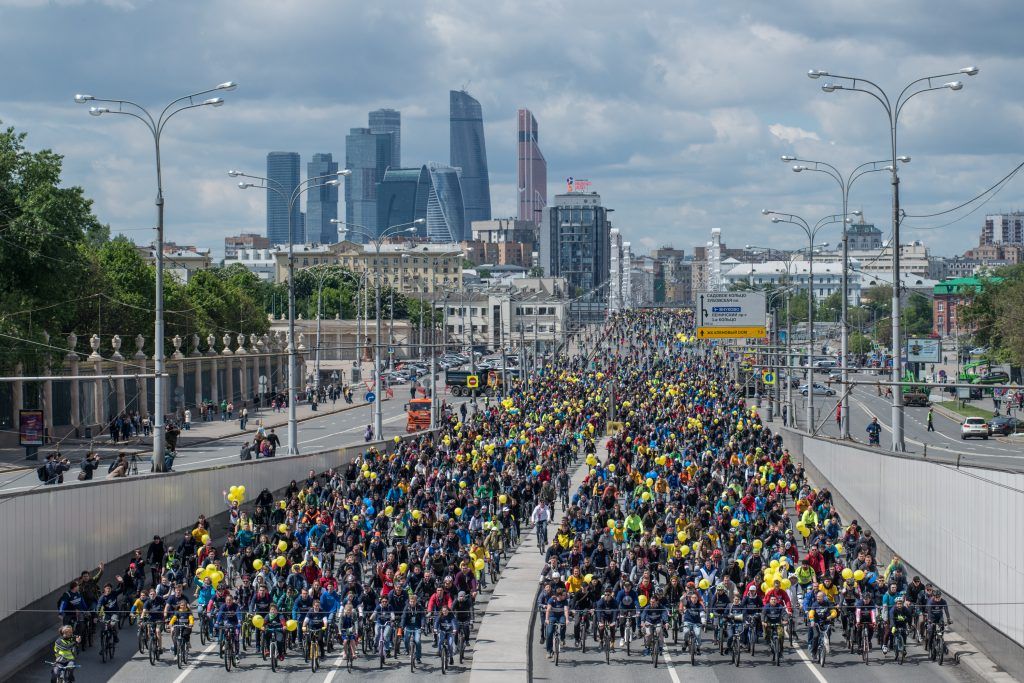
point(469, 153)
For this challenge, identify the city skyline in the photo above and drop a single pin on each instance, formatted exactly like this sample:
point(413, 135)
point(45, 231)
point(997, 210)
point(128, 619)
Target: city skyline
point(469, 153)
point(283, 173)
point(684, 137)
point(531, 168)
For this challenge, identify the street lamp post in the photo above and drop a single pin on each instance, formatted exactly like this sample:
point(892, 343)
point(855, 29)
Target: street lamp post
point(378, 242)
point(845, 183)
point(303, 187)
point(156, 128)
point(811, 232)
point(893, 108)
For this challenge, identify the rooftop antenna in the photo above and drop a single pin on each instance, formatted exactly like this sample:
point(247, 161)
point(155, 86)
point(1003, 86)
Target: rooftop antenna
point(466, 85)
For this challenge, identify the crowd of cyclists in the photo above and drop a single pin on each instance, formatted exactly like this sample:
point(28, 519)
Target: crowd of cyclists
point(691, 522)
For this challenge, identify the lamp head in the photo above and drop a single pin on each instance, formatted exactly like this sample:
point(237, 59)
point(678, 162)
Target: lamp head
point(797, 169)
point(831, 87)
point(345, 172)
point(419, 221)
point(82, 99)
point(857, 212)
point(816, 73)
point(98, 111)
point(214, 101)
point(787, 157)
point(337, 222)
point(954, 85)
point(776, 219)
point(244, 185)
point(765, 212)
point(969, 71)
point(331, 182)
point(234, 174)
point(227, 86)
point(905, 159)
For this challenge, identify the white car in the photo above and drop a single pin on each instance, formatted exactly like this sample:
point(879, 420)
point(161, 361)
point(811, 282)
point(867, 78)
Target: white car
point(819, 390)
point(974, 426)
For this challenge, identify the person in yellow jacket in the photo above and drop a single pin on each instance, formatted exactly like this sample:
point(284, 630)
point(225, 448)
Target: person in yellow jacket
point(183, 619)
point(64, 652)
point(809, 518)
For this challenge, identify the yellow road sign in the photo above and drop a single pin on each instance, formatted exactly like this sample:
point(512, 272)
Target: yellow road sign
point(472, 381)
point(768, 377)
point(731, 332)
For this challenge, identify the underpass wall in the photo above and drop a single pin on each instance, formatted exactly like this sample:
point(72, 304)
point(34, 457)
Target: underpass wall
point(962, 529)
point(50, 535)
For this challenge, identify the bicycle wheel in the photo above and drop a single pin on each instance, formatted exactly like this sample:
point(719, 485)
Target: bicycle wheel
point(736, 650)
point(227, 655)
point(382, 651)
point(462, 647)
point(654, 652)
point(865, 646)
point(273, 655)
point(154, 651)
point(606, 645)
point(111, 647)
point(628, 637)
point(314, 655)
point(558, 646)
point(693, 649)
point(941, 648)
point(202, 631)
point(443, 652)
point(584, 627)
point(180, 657)
point(142, 641)
point(350, 654)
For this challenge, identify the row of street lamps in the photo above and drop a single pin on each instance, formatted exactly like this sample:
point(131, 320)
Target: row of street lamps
point(893, 107)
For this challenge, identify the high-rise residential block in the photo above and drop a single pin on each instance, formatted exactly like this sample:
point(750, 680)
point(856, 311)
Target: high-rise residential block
point(469, 153)
point(575, 241)
point(322, 201)
point(283, 174)
point(389, 121)
point(368, 156)
point(531, 169)
point(247, 240)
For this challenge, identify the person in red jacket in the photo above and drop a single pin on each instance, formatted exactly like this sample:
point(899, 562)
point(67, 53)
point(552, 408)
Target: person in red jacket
point(816, 560)
point(781, 595)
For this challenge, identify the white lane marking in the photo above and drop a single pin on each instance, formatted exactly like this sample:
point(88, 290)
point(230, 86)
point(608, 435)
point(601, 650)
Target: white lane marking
point(810, 665)
point(337, 666)
point(671, 667)
point(195, 660)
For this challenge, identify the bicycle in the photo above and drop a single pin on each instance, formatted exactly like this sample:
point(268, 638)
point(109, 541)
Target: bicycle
point(205, 628)
point(65, 671)
point(937, 642)
point(673, 620)
point(627, 634)
point(690, 642)
point(556, 643)
point(247, 632)
point(153, 643)
point(824, 644)
point(899, 643)
point(542, 535)
point(582, 628)
point(273, 653)
point(228, 646)
point(865, 644)
point(107, 641)
point(606, 632)
point(656, 642)
point(315, 647)
point(348, 646)
point(736, 640)
point(443, 652)
point(461, 638)
point(181, 645)
point(383, 641)
point(774, 642)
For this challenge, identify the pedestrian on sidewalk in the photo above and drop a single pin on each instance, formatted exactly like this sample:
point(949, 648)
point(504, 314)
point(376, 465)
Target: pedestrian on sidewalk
point(274, 441)
point(188, 419)
point(785, 416)
point(231, 410)
point(931, 417)
point(145, 426)
point(839, 416)
point(243, 418)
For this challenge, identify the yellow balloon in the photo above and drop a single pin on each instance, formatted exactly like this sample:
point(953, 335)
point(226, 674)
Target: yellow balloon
point(282, 528)
point(643, 601)
point(758, 544)
point(646, 495)
point(503, 499)
point(704, 584)
point(206, 539)
point(280, 561)
point(416, 514)
point(785, 584)
point(403, 567)
point(858, 575)
point(233, 490)
point(241, 491)
point(257, 564)
point(735, 523)
point(774, 564)
point(739, 563)
point(847, 573)
point(479, 564)
point(291, 624)
point(588, 578)
point(684, 551)
point(810, 614)
point(458, 512)
point(462, 484)
point(388, 511)
point(282, 546)
point(257, 621)
point(649, 482)
point(211, 568)
point(397, 439)
point(611, 468)
point(765, 587)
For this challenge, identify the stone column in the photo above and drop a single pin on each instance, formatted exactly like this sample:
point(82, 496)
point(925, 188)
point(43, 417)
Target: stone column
point(229, 376)
point(115, 343)
point(141, 384)
point(211, 353)
point(72, 360)
point(99, 400)
point(197, 365)
point(243, 380)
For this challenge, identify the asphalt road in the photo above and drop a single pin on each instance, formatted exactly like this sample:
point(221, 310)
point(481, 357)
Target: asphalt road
point(997, 452)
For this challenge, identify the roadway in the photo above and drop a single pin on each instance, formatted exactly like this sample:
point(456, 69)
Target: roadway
point(865, 403)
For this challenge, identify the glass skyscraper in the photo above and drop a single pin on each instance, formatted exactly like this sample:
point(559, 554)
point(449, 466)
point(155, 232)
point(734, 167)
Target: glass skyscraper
point(321, 202)
point(389, 121)
point(368, 156)
point(469, 153)
point(432, 192)
point(283, 173)
point(446, 212)
point(531, 169)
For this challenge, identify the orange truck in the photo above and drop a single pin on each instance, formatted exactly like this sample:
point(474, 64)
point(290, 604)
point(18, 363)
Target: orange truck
point(417, 415)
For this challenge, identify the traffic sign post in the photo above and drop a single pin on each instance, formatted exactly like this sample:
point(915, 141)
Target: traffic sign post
point(768, 377)
point(370, 397)
point(472, 381)
point(731, 315)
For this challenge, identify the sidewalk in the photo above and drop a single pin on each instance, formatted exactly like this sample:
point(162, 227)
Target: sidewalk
point(505, 626)
point(12, 459)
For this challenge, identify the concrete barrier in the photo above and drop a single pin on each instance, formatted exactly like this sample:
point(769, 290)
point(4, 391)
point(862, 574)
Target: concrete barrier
point(961, 528)
point(50, 535)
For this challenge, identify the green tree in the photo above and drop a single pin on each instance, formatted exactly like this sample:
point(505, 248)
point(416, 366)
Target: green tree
point(859, 344)
point(44, 231)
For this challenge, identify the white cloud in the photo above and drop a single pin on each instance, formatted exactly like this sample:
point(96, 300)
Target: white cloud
point(791, 134)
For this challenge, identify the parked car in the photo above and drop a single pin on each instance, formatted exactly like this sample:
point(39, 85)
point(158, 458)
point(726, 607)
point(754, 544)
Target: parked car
point(974, 426)
point(1004, 426)
point(994, 377)
point(819, 390)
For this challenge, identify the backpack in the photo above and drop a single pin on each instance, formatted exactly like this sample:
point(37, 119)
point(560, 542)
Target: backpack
point(42, 473)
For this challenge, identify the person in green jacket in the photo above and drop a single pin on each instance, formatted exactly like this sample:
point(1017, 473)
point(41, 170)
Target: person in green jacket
point(64, 652)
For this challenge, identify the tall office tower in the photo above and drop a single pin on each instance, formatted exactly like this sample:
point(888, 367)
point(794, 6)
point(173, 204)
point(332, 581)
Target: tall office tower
point(531, 170)
point(283, 173)
point(389, 121)
point(432, 193)
point(446, 214)
point(575, 242)
point(322, 202)
point(367, 155)
point(469, 153)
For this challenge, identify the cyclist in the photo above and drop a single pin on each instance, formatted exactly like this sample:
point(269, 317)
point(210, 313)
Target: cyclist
point(107, 606)
point(901, 617)
point(153, 610)
point(866, 614)
point(606, 612)
point(411, 623)
point(934, 610)
point(315, 621)
point(563, 487)
point(540, 517)
point(275, 625)
point(692, 611)
point(888, 603)
point(819, 606)
point(348, 624)
point(384, 618)
point(64, 652)
point(653, 617)
point(873, 430)
point(182, 619)
point(71, 605)
point(445, 627)
point(229, 617)
point(555, 618)
point(773, 616)
point(628, 602)
point(462, 608)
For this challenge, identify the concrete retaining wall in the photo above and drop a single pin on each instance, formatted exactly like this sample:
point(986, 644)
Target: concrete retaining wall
point(961, 528)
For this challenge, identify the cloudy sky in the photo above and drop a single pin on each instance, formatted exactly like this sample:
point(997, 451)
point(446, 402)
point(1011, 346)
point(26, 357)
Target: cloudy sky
point(676, 110)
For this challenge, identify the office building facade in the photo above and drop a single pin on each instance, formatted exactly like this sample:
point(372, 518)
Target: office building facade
point(283, 173)
point(575, 241)
point(446, 211)
point(469, 153)
point(432, 192)
point(389, 122)
point(321, 202)
point(247, 240)
point(368, 156)
point(531, 169)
